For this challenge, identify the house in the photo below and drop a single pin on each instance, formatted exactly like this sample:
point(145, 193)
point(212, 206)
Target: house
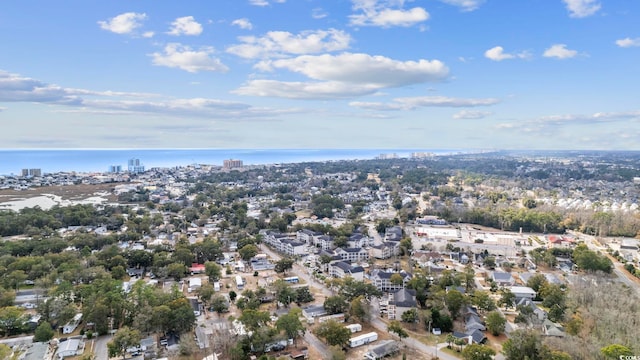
point(382, 350)
point(70, 347)
point(502, 278)
point(523, 292)
point(400, 302)
point(460, 257)
point(549, 328)
point(197, 269)
point(35, 351)
point(382, 280)
point(343, 269)
point(195, 283)
point(539, 313)
point(353, 254)
point(476, 337)
point(71, 326)
point(195, 304)
point(313, 311)
point(203, 334)
point(261, 262)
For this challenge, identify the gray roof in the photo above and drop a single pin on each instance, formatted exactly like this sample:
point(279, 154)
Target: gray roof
point(404, 298)
point(384, 348)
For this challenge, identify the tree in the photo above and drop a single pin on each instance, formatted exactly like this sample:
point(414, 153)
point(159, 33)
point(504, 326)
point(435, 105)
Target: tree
point(357, 308)
point(537, 282)
point(523, 345)
point(495, 323)
point(396, 279)
point(43, 332)
point(290, 324)
point(213, 271)
point(483, 301)
point(477, 352)
point(219, 304)
point(283, 265)
point(406, 246)
point(396, 327)
point(616, 351)
point(12, 320)
point(303, 295)
point(454, 300)
point(507, 299)
point(123, 339)
point(554, 298)
point(335, 304)
point(254, 319)
point(410, 316)
point(248, 251)
point(176, 270)
point(334, 333)
point(205, 292)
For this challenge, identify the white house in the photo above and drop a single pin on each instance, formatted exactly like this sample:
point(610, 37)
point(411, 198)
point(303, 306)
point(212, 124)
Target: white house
point(71, 326)
point(523, 292)
point(71, 347)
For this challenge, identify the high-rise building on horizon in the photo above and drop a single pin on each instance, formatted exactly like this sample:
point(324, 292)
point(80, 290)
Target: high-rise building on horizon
point(135, 166)
point(232, 164)
point(115, 168)
point(31, 172)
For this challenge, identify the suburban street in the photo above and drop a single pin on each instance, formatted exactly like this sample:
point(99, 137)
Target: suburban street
point(100, 347)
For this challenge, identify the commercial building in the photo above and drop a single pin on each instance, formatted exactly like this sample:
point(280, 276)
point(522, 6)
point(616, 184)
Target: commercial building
point(232, 164)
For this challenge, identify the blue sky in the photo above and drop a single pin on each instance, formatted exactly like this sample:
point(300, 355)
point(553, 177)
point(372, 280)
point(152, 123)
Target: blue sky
point(472, 74)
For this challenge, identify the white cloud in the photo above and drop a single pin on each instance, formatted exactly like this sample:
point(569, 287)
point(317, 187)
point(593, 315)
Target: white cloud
point(2, 109)
point(628, 42)
point(559, 51)
point(343, 76)
point(183, 57)
point(358, 68)
point(264, 2)
point(16, 88)
point(304, 90)
point(185, 25)
point(465, 5)
point(410, 103)
point(124, 23)
point(386, 13)
point(276, 43)
point(582, 8)
point(148, 34)
point(497, 54)
point(318, 13)
point(466, 114)
point(243, 23)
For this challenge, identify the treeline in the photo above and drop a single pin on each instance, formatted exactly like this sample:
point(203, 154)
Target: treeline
point(16, 223)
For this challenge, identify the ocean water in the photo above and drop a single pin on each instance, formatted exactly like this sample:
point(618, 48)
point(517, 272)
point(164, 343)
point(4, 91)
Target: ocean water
point(12, 161)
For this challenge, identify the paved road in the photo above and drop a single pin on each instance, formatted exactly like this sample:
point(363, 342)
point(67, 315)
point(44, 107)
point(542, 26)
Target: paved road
point(618, 268)
point(321, 347)
point(100, 347)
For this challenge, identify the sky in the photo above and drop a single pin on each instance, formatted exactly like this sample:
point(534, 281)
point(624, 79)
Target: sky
point(436, 74)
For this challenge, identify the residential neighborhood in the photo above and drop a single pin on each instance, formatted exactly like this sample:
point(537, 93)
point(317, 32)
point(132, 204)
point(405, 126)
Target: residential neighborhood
point(288, 261)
